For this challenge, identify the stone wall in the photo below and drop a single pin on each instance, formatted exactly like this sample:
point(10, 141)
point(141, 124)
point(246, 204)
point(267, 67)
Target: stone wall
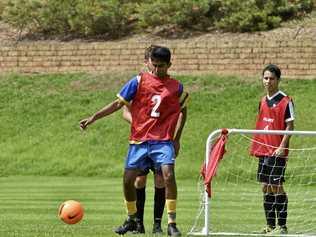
point(230, 54)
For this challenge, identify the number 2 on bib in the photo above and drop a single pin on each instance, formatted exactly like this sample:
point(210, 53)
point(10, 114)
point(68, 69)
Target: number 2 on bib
point(156, 99)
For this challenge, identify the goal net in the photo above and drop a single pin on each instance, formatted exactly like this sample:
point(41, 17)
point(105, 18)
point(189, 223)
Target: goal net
point(236, 203)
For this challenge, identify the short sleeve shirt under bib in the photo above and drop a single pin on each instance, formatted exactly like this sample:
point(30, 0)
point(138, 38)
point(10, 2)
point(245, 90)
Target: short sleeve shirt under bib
point(139, 93)
point(129, 90)
point(274, 113)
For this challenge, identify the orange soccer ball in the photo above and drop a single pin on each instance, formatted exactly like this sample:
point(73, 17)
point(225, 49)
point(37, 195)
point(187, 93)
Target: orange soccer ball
point(70, 212)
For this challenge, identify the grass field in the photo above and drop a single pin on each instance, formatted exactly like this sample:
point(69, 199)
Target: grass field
point(45, 159)
point(40, 117)
point(237, 208)
point(29, 205)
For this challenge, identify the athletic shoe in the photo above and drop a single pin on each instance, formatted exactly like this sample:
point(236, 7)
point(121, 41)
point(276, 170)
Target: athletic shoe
point(280, 230)
point(140, 228)
point(128, 225)
point(267, 230)
point(157, 228)
point(173, 230)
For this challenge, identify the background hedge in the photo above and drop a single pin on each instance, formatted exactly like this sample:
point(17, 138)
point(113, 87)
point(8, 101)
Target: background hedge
point(117, 18)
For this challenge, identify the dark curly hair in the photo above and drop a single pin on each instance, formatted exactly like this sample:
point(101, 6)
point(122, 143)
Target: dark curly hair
point(273, 69)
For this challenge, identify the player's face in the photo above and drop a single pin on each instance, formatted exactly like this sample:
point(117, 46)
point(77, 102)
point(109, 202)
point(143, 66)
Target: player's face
point(270, 82)
point(159, 68)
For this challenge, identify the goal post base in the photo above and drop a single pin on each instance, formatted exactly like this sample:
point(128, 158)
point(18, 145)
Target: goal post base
point(203, 232)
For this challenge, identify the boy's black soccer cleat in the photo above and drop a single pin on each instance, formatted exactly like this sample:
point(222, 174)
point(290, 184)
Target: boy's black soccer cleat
point(173, 230)
point(128, 225)
point(140, 228)
point(267, 229)
point(157, 228)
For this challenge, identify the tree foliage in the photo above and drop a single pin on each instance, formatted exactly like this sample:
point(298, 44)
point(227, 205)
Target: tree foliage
point(69, 17)
point(116, 18)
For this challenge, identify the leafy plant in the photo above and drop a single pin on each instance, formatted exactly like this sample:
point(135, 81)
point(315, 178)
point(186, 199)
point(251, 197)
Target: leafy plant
point(116, 18)
point(63, 17)
point(184, 13)
point(259, 15)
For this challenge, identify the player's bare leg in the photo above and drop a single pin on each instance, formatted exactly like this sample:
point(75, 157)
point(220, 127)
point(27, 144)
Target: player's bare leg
point(130, 201)
point(171, 198)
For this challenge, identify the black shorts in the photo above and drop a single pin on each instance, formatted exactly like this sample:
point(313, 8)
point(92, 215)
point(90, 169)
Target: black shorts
point(271, 170)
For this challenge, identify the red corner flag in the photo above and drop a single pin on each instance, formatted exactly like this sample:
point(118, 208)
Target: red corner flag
point(216, 154)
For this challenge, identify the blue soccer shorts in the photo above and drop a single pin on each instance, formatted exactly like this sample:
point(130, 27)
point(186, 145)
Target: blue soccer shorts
point(145, 155)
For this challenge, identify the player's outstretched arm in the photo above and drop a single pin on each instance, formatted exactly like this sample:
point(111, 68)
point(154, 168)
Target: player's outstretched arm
point(105, 111)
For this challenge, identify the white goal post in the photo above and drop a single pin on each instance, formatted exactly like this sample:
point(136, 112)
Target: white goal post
point(205, 212)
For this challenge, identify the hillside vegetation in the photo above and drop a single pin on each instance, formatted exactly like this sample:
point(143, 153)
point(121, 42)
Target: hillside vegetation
point(68, 19)
point(40, 117)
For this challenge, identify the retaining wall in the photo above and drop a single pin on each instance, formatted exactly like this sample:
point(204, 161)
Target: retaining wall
point(200, 55)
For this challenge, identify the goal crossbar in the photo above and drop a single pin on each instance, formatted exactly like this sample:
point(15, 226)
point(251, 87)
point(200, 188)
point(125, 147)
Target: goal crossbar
point(206, 229)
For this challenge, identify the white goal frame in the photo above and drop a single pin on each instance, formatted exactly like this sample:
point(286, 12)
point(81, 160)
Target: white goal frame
point(206, 229)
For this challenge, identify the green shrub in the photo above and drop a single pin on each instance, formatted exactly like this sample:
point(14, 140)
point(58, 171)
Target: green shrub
point(22, 14)
point(115, 18)
point(2, 6)
point(109, 17)
point(245, 16)
point(183, 13)
point(259, 15)
point(63, 17)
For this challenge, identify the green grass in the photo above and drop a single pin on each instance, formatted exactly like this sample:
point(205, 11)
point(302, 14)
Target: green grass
point(40, 114)
point(45, 159)
point(29, 205)
point(237, 208)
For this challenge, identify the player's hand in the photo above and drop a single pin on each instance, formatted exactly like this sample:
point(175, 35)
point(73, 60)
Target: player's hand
point(85, 122)
point(280, 151)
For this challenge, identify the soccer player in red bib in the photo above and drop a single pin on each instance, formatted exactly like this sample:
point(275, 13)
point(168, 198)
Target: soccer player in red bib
point(275, 113)
point(141, 180)
point(155, 111)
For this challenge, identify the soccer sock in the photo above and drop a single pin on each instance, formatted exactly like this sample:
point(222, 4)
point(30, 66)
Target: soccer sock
point(131, 209)
point(269, 208)
point(159, 206)
point(140, 203)
point(281, 207)
point(171, 210)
